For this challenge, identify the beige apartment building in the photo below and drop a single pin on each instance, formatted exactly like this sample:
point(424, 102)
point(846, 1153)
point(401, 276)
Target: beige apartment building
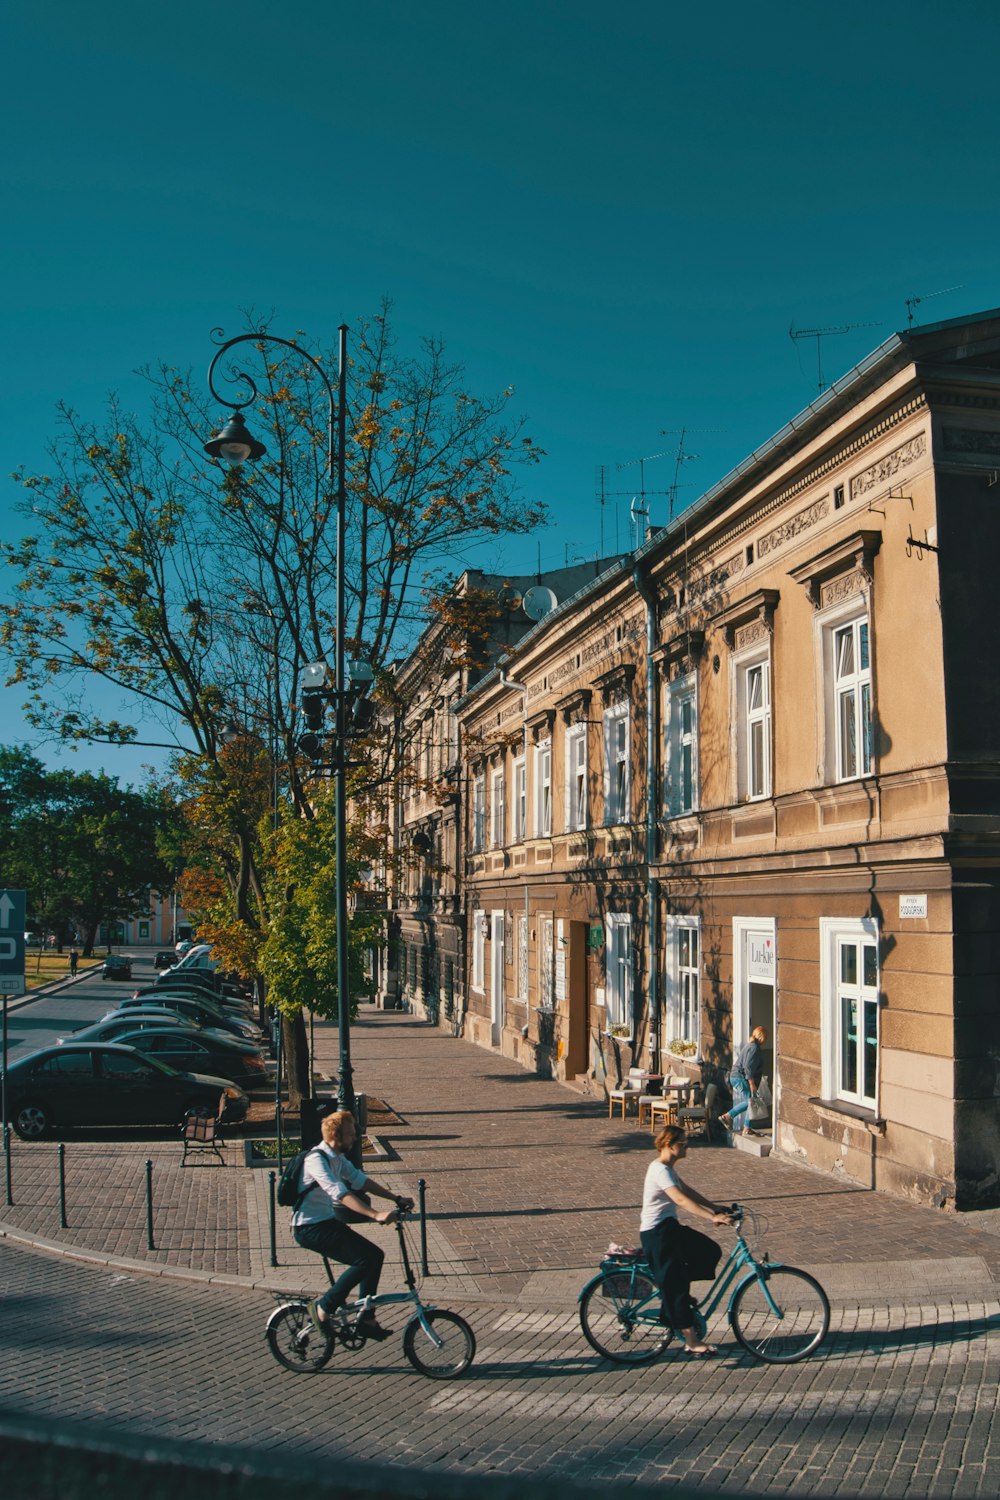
point(751, 775)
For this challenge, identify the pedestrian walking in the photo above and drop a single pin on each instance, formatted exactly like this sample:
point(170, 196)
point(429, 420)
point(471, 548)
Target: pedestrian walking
point(744, 1080)
point(74, 962)
point(677, 1253)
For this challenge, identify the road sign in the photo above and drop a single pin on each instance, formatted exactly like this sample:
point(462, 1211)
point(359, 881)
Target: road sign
point(13, 908)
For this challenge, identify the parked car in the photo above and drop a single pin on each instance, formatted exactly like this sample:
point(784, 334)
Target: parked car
point(124, 1025)
point(235, 1005)
point(163, 960)
point(200, 1051)
point(201, 1011)
point(105, 1084)
point(117, 966)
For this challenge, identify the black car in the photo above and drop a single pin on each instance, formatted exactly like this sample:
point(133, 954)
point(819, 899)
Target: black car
point(201, 1011)
point(117, 966)
point(198, 1051)
point(117, 1021)
point(165, 959)
point(104, 1084)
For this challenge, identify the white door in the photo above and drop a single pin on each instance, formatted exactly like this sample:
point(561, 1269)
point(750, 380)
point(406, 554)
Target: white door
point(496, 976)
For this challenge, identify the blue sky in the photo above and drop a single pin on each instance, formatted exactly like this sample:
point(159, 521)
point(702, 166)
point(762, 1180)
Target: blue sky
point(619, 211)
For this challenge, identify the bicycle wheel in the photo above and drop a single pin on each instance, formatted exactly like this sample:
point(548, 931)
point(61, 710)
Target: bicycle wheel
point(458, 1345)
point(619, 1315)
point(294, 1341)
point(801, 1323)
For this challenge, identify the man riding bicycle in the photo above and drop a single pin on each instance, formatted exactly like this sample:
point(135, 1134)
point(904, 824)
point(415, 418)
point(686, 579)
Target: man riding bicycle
point(329, 1198)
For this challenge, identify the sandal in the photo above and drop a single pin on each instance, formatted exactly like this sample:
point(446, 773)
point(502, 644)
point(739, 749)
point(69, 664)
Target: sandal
point(705, 1352)
point(726, 1122)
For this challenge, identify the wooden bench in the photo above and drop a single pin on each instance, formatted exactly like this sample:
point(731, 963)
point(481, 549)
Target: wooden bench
point(202, 1132)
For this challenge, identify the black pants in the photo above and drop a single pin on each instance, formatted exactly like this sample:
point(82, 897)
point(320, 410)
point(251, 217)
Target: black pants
point(675, 1251)
point(340, 1242)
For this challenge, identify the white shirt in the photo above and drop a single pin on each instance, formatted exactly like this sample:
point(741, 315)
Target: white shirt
point(657, 1203)
point(327, 1175)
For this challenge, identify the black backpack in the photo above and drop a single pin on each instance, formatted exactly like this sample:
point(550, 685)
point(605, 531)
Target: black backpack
point(290, 1190)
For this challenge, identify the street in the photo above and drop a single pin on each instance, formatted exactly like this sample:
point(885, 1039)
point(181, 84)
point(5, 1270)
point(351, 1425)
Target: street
point(900, 1400)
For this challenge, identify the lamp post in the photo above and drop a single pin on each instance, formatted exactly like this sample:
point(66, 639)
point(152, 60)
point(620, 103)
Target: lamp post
point(234, 445)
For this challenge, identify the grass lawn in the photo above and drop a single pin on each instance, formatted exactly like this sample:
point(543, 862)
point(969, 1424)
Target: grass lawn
point(44, 967)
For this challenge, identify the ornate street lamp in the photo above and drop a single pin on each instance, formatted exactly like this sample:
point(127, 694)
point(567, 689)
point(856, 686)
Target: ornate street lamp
point(234, 445)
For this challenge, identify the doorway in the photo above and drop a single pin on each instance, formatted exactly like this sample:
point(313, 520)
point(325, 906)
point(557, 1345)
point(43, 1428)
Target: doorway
point(755, 967)
point(496, 978)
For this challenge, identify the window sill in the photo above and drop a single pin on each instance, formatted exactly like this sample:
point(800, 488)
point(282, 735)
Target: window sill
point(839, 1110)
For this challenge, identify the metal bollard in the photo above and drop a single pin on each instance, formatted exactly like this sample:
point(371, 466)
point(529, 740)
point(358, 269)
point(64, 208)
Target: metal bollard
point(422, 1193)
point(272, 1178)
point(62, 1186)
point(149, 1205)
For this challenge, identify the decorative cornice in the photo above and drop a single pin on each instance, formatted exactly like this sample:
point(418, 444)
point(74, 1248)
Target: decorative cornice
point(852, 553)
point(755, 610)
point(616, 683)
point(575, 705)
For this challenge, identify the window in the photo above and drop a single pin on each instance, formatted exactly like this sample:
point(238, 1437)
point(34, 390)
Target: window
point(576, 777)
point(478, 813)
point(852, 692)
point(545, 963)
point(619, 971)
point(684, 980)
point(522, 958)
point(498, 810)
point(479, 950)
point(682, 747)
point(849, 1001)
point(753, 721)
point(616, 764)
point(520, 800)
point(68, 1062)
point(543, 789)
point(143, 930)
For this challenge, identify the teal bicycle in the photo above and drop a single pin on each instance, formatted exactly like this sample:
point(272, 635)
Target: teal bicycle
point(778, 1314)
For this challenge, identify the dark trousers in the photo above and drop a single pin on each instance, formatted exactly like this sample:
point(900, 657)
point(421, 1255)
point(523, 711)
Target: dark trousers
point(663, 1249)
point(340, 1242)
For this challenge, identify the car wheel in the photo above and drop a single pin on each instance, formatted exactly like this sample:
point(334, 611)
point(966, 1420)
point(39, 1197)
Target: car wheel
point(32, 1121)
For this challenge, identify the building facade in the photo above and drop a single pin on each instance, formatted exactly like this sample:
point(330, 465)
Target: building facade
point(750, 776)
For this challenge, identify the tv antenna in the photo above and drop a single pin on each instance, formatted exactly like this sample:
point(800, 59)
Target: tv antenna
point(638, 499)
point(912, 302)
point(819, 334)
point(680, 457)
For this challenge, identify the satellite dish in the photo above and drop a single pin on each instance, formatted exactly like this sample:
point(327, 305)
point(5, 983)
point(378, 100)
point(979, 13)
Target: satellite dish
point(539, 602)
point(508, 598)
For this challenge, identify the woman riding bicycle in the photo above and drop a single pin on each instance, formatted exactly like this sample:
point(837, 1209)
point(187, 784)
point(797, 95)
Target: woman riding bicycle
point(330, 1185)
point(673, 1249)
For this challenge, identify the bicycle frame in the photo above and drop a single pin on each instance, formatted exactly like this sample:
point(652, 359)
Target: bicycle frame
point(740, 1258)
point(386, 1299)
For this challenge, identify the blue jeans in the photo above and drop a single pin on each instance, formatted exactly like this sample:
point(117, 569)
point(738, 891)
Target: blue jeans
point(741, 1102)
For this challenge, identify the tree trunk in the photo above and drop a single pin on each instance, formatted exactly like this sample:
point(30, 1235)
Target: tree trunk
point(297, 1062)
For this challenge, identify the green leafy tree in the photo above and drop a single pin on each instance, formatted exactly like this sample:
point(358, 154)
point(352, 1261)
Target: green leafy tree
point(86, 850)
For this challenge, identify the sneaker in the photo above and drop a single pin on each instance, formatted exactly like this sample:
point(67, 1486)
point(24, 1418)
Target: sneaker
point(315, 1318)
point(369, 1325)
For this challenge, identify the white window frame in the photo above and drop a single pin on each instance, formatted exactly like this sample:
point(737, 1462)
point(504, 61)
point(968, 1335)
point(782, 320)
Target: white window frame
point(546, 961)
point(754, 777)
point(576, 810)
point(856, 618)
point(681, 743)
point(498, 808)
point(521, 968)
point(619, 971)
point(479, 951)
point(520, 808)
point(683, 974)
point(836, 934)
point(617, 764)
point(478, 813)
point(543, 789)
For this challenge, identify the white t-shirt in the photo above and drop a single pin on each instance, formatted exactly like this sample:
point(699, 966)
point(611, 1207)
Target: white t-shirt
point(657, 1203)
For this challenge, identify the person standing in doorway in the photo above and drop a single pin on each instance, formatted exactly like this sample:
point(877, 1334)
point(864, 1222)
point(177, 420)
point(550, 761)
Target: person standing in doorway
point(744, 1080)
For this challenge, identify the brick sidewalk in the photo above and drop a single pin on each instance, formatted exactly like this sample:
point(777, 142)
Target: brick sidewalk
point(526, 1183)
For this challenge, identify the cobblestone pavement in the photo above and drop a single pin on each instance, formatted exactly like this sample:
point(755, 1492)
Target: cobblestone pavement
point(526, 1183)
point(902, 1402)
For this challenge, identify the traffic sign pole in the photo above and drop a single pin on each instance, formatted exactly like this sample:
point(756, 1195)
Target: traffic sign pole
point(13, 910)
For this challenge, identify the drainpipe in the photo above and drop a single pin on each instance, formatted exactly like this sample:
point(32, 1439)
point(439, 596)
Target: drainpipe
point(522, 688)
point(652, 780)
